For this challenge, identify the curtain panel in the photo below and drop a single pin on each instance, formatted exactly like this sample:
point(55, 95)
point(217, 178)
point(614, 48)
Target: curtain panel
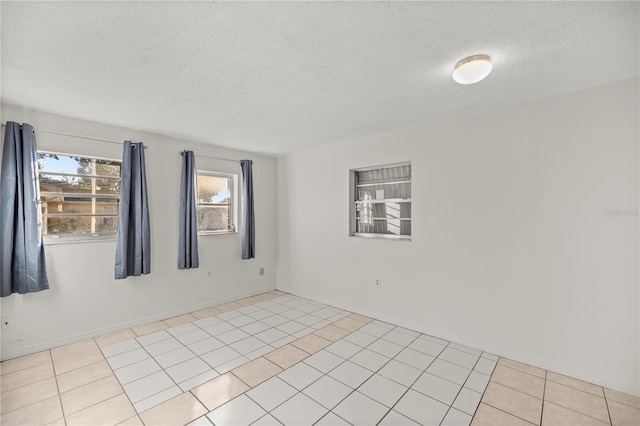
point(188, 236)
point(248, 226)
point(22, 259)
point(133, 239)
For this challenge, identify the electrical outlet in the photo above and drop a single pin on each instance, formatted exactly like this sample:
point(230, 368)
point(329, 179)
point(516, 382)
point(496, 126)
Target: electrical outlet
point(6, 322)
point(261, 271)
point(378, 282)
point(209, 274)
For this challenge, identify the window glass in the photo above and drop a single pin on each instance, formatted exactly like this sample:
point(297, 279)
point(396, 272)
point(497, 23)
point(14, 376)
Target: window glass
point(216, 202)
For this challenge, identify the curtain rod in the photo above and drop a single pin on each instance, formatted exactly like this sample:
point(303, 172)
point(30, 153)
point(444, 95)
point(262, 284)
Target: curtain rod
point(75, 136)
point(208, 156)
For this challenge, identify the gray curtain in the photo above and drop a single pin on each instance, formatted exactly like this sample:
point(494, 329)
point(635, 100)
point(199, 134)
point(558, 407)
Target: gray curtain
point(188, 240)
point(22, 262)
point(248, 229)
point(133, 240)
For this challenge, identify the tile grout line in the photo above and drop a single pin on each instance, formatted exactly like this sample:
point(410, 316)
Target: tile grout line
point(544, 392)
point(55, 377)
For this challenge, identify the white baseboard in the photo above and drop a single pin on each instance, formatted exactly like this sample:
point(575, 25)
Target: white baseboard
point(626, 387)
point(54, 343)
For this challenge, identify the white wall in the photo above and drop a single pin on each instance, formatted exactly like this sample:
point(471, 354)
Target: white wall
point(85, 300)
point(511, 250)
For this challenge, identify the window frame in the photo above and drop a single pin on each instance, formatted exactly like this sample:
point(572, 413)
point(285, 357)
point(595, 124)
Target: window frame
point(49, 239)
point(233, 205)
point(353, 201)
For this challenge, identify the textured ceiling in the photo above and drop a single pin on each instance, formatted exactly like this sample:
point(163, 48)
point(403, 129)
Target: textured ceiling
point(276, 77)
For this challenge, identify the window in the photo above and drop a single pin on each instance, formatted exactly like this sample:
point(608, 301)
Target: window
point(216, 202)
point(380, 200)
point(79, 195)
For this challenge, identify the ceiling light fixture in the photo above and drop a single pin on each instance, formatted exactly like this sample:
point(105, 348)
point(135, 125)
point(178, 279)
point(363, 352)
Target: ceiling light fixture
point(472, 69)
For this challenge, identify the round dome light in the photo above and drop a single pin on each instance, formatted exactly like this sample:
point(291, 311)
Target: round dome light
point(472, 69)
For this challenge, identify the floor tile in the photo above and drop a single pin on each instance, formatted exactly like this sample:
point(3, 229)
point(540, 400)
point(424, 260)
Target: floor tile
point(266, 349)
point(174, 357)
point(121, 347)
point(399, 338)
point(327, 391)
point(449, 371)
point(489, 356)
point(271, 393)
point(24, 362)
point(219, 390)
point(284, 341)
point(311, 343)
point(437, 388)
point(523, 367)
point(421, 409)
point(220, 356)
point(187, 369)
point(148, 386)
point(218, 329)
point(257, 327)
point(385, 348)
point(344, 349)
point(575, 383)
point(456, 418)
point(467, 401)
point(350, 374)
point(247, 345)
point(331, 419)
point(375, 329)
point(270, 335)
point(240, 411)
point(27, 395)
point(133, 421)
point(622, 414)
point(286, 356)
point(555, 415)
point(332, 333)
point(349, 324)
point(256, 371)
point(241, 321)
point(383, 390)
point(393, 418)
point(26, 377)
point(155, 337)
point(74, 348)
point(427, 347)
point(400, 373)
point(42, 412)
point(361, 339)
point(201, 421)
point(179, 320)
point(193, 337)
point(179, 410)
point(486, 366)
point(513, 402)
point(230, 365)
point(198, 380)
point(127, 358)
point(232, 336)
point(300, 375)
point(477, 381)
point(206, 313)
point(359, 409)
point(299, 410)
point(518, 380)
point(225, 307)
point(109, 412)
point(487, 415)
point(90, 394)
point(145, 329)
point(115, 337)
point(466, 349)
point(207, 321)
point(414, 358)
point(81, 376)
point(79, 360)
point(459, 357)
point(324, 361)
point(137, 370)
point(206, 345)
point(576, 400)
point(157, 398)
point(622, 398)
point(275, 320)
point(370, 360)
point(292, 314)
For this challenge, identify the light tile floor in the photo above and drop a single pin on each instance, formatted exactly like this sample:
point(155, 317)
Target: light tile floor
point(275, 359)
